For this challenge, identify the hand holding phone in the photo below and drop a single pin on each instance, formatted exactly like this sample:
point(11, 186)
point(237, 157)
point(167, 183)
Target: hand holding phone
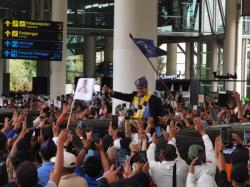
point(201, 158)
point(120, 157)
point(80, 124)
point(247, 138)
point(149, 137)
point(96, 137)
point(29, 120)
point(168, 129)
point(158, 132)
point(114, 121)
point(226, 136)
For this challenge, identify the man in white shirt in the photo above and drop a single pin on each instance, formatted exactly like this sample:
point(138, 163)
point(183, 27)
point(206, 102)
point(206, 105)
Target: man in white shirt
point(204, 180)
point(208, 165)
point(162, 172)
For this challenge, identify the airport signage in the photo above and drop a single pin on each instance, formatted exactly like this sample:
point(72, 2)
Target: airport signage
point(33, 25)
point(35, 40)
point(32, 55)
point(32, 45)
point(32, 35)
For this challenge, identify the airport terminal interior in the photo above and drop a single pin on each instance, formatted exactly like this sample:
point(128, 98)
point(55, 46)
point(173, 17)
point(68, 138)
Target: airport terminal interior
point(124, 93)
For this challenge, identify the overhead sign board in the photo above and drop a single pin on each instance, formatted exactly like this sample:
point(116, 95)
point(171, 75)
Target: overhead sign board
point(32, 35)
point(32, 55)
point(37, 40)
point(32, 45)
point(35, 25)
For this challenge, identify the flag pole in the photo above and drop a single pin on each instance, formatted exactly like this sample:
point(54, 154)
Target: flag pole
point(70, 114)
point(157, 73)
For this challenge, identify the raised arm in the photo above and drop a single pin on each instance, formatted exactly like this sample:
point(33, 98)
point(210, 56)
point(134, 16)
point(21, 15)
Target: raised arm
point(104, 158)
point(21, 136)
point(56, 175)
point(239, 105)
point(118, 95)
point(151, 151)
point(123, 96)
point(209, 149)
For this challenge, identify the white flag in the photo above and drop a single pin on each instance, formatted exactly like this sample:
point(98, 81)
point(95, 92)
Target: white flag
point(84, 89)
point(58, 104)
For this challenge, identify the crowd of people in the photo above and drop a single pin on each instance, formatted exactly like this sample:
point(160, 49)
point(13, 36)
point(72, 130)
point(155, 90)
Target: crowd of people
point(139, 149)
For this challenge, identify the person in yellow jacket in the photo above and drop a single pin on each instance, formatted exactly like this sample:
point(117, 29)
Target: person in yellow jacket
point(142, 102)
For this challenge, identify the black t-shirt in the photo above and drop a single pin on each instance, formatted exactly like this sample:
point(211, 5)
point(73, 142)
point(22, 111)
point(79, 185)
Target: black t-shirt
point(3, 170)
point(222, 180)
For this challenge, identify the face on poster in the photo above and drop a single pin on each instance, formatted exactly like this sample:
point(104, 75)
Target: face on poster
point(84, 89)
point(58, 104)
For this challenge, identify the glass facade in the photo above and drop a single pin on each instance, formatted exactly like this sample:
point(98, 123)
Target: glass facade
point(246, 26)
point(178, 16)
point(91, 14)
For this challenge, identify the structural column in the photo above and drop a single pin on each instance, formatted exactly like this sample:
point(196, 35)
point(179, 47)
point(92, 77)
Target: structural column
point(212, 62)
point(58, 69)
point(89, 56)
point(139, 18)
point(171, 58)
point(42, 66)
point(240, 70)
point(188, 60)
point(1, 64)
point(108, 54)
point(1, 75)
point(230, 40)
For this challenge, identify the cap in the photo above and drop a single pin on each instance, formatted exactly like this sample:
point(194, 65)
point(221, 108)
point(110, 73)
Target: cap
point(194, 150)
point(239, 155)
point(240, 173)
point(142, 81)
point(69, 160)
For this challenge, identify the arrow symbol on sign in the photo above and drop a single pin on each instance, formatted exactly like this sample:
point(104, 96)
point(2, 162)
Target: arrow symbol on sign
point(7, 33)
point(6, 53)
point(7, 23)
point(7, 43)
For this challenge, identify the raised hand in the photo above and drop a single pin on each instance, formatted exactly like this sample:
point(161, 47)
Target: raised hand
point(111, 175)
point(199, 126)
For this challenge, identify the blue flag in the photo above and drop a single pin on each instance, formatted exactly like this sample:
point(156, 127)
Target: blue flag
point(147, 47)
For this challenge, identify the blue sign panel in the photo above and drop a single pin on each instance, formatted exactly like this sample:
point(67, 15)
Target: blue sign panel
point(32, 45)
point(33, 55)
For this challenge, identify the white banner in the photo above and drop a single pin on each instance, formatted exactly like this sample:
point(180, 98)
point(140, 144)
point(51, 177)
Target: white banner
point(84, 89)
point(58, 104)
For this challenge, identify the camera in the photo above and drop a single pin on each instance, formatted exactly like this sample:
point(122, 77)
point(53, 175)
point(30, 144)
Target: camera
point(121, 156)
point(129, 114)
point(226, 136)
point(246, 138)
point(80, 124)
point(158, 132)
point(201, 158)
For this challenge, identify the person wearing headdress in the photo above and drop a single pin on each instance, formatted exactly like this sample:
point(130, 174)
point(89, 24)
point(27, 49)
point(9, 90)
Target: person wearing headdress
point(143, 103)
